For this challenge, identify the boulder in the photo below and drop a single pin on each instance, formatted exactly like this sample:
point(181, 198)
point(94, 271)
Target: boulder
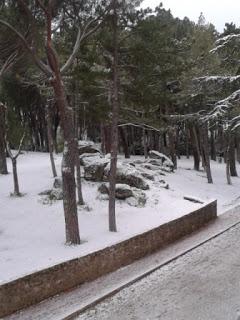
point(129, 175)
point(155, 162)
point(45, 192)
point(94, 170)
point(165, 161)
point(87, 147)
point(138, 199)
point(123, 191)
point(150, 166)
point(56, 194)
point(103, 188)
point(87, 158)
point(147, 174)
point(164, 184)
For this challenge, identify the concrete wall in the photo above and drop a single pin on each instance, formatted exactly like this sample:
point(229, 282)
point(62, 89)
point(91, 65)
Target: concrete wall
point(36, 287)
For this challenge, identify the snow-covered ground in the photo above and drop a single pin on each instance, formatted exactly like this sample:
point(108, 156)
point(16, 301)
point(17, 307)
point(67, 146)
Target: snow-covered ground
point(32, 234)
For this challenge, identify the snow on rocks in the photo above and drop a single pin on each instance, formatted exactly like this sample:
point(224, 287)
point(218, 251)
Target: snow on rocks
point(56, 194)
point(128, 175)
point(87, 158)
point(138, 199)
point(133, 196)
point(123, 191)
point(87, 147)
point(165, 161)
point(94, 170)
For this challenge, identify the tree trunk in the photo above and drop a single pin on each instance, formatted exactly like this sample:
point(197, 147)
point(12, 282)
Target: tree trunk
point(237, 141)
point(79, 181)
point(76, 132)
point(102, 139)
point(68, 162)
point(172, 147)
point(233, 170)
point(124, 142)
point(196, 156)
point(3, 158)
point(107, 139)
point(227, 154)
point(15, 178)
point(213, 149)
point(115, 112)
point(205, 152)
point(50, 140)
point(145, 144)
point(187, 133)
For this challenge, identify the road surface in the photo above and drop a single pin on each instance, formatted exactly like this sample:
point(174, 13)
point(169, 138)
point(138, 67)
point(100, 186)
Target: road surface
point(201, 285)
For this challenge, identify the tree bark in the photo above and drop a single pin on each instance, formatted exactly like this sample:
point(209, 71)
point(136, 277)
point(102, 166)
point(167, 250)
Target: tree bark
point(196, 157)
point(213, 149)
point(233, 169)
point(145, 144)
point(102, 139)
point(187, 133)
point(15, 178)
point(68, 163)
point(172, 147)
point(115, 114)
point(205, 152)
point(50, 140)
point(227, 155)
point(123, 136)
point(237, 141)
point(3, 156)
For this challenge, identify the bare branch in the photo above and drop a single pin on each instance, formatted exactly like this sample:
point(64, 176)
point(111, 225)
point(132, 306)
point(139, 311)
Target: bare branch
point(8, 63)
point(81, 36)
point(43, 67)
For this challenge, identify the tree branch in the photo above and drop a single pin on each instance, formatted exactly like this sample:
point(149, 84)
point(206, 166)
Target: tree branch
point(43, 67)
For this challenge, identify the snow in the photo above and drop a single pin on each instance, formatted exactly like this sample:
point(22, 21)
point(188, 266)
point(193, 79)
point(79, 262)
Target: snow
point(221, 43)
point(218, 79)
point(32, 234)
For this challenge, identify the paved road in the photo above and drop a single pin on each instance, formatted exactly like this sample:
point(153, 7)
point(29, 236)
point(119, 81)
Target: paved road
point(202, 285)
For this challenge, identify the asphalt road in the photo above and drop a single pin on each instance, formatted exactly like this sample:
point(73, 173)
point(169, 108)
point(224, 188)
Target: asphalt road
point(201, 285)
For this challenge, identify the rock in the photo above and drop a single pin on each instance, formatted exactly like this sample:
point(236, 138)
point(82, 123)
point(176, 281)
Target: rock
point(103, 188)
point(103, 197)
point(128, 175)
point(164, 184)
point(147, 174)
point(86, 158)
point(132, 201)
point(138, 161)
point(94, 170)
point(165, 161)
point(123, 191)
point(87, 147)
point(45, 192)
point(58, 184)
point(150, 166)
point(139, 198)
point(155, 162)
point(56, 194)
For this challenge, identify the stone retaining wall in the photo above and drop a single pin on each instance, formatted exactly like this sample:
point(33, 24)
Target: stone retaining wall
point(38, 286)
